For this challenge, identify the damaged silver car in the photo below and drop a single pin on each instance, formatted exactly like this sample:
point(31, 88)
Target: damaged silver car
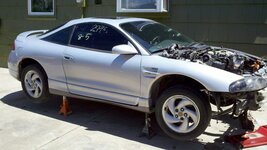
point(142, 65)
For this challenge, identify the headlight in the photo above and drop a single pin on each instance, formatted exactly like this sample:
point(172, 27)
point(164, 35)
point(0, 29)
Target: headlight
point(248, 84)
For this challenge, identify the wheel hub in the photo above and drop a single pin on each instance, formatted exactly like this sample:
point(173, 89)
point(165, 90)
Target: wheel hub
point(180, 114)
point(33, 84)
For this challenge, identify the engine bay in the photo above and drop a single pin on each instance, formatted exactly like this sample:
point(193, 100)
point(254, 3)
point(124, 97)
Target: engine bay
point(227, 59)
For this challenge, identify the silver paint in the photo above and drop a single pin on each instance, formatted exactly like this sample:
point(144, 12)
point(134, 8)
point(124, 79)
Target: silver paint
point(125, 79)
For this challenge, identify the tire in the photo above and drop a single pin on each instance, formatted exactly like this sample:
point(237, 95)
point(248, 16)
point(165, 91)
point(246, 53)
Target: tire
point(34, 84)
point(182, 113)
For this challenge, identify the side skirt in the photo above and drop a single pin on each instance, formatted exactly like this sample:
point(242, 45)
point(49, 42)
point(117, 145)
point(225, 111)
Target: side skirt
point(135, 107)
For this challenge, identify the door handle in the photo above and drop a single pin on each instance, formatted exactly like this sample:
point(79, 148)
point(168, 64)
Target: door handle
point(68, 58)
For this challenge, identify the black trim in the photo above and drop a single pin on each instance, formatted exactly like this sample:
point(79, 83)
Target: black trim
point(90, 49)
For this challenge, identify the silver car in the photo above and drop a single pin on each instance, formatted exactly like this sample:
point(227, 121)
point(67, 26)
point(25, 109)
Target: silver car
point(142, 65)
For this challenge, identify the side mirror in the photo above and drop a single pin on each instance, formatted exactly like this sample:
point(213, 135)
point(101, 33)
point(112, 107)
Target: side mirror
point(124, 49)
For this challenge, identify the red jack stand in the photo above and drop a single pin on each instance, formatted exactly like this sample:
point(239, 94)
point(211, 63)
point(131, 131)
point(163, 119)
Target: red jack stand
point(249, 139)
point(65, 108)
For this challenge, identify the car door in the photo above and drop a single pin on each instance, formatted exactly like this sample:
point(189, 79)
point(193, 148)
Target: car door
point(92, 69)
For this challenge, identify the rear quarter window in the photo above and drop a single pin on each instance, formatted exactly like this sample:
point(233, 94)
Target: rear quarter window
point(61, 37)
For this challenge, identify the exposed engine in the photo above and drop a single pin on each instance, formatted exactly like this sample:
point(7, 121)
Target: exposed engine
point(229, 60)
point(222, 58)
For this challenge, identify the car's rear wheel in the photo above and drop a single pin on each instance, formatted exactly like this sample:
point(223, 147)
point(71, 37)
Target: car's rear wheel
point(34, 84)
point(182, 113)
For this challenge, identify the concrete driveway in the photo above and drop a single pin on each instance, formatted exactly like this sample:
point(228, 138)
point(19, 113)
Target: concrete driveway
point(24, 125)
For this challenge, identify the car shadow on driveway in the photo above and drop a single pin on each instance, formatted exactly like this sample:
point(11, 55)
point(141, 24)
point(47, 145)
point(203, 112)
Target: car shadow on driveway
point(108, 119)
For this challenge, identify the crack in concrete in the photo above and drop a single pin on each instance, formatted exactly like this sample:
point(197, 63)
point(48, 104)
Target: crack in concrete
point(58, 137)
point(89, 120)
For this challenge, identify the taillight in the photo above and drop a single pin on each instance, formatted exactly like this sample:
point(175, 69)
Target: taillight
point(13, 46)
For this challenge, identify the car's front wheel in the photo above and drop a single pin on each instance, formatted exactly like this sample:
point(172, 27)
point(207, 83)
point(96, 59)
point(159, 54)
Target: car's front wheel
point(34, 84)
point(182, 113)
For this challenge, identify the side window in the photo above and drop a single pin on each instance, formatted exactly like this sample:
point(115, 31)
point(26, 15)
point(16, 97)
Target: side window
point(97, 36)
point(60, 37)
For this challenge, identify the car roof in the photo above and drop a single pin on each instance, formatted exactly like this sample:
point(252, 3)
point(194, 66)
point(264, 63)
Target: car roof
point(108, 20)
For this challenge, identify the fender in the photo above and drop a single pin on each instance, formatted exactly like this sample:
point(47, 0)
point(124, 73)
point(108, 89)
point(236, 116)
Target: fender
point(209, 77)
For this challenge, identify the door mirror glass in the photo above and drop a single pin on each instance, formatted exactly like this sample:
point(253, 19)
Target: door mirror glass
point(124, 49)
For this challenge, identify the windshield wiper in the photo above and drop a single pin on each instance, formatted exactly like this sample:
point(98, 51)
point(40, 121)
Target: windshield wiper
point(192, 44)
point(182, 47)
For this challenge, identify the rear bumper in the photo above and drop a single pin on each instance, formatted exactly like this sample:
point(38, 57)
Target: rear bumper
point(13, 66)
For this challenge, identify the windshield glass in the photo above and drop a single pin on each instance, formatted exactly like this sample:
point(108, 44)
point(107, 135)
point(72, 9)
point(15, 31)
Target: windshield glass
point(154, 36)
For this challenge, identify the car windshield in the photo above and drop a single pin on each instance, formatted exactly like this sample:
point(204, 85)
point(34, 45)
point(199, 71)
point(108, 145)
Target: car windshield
point(154, 36)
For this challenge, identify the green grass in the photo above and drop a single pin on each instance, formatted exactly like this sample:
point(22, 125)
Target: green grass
point(4, 51)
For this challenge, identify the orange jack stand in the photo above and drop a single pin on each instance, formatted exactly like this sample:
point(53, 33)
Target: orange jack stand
point(64, 107)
